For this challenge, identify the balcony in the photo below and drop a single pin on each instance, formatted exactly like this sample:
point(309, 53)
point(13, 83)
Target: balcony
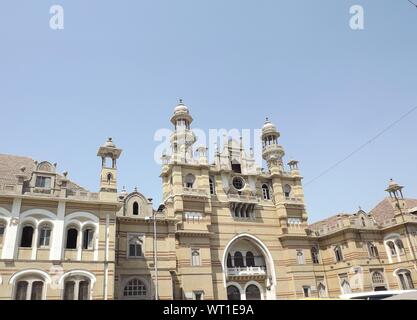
point(242, 198)
point(246, 271)
point(194, 192)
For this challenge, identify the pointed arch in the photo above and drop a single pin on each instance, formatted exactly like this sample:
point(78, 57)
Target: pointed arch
point(265, 251)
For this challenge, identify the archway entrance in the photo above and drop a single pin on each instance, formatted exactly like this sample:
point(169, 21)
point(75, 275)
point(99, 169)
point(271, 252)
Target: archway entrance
point(248, 269)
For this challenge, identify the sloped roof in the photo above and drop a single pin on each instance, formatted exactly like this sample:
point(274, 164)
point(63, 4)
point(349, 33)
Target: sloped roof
point(385, 210)
point(10, 166)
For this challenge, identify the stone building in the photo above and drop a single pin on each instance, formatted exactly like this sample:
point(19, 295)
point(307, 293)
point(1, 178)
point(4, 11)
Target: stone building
point(227, 229)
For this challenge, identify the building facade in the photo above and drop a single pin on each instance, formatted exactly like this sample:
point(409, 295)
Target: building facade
point(227, 229)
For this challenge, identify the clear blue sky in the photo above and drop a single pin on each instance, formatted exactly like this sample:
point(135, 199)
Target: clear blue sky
point(119, 67)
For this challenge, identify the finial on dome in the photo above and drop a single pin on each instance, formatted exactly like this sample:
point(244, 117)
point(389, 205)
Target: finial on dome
point(181, 103)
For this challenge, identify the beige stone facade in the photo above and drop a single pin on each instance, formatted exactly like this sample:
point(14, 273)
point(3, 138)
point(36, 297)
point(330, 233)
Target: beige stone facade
point(226, 230)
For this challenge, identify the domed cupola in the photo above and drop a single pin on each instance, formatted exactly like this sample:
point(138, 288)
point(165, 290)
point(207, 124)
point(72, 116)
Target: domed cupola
point(181, 117)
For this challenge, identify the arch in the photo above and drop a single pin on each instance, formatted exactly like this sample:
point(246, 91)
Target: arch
point(378, 278)
point(71, 237)
point(266, 192)
point(126, 281)
point(42, 212)
point(265, 251)
point(189, 180)
point(338, 253)
point(236, 291)
point(229, 262)
point(4, 212)
point(253, 284)
point(135, 208)
point(77, 272)
point(405, 278)
point(26, 236)
point(27, 272)
point(81, 214)
point(250, 259)
point(287, 190)
point(238, 259)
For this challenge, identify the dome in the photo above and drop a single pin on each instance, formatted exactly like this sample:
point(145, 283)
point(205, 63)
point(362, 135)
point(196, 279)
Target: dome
point(392, 183)
point(181, 107)
point(109, 143)
point(269, 127)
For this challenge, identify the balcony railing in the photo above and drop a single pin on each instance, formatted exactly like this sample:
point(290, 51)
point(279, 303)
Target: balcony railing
point(195, 192)
point(246, 271)
point(242, 198)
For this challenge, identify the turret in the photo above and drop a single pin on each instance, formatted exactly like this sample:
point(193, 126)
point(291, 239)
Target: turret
point(183, 138)
point(108, 178)
point(271, 151)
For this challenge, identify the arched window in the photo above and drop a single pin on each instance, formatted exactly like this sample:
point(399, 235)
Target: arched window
point(212, 186)
point(27, 237)
point(400, 246)
point(392, 249)
point(88, 237)
point(253, 293)
point(405, 279)
point(363, 222)
point(72, 236)
point(321, 288)
point(373, 250)
point(250, 259)
point(44, 236)
point(346, 287)
point(189, 181)
point(29, 289)
point(300, 257)
point(315, 255)
point(233, 293)
point(77, 288)
point(21, 290)
point(378, 278)
point(238, 259)
point(195, 257)
point(287, 191)
point(265, 192)
point(135, 208)
point(109, 177)
point(135, 288)
point(338, 254)
point(229, 261)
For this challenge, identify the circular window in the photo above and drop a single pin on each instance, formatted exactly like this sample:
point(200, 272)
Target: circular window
point(238, 183)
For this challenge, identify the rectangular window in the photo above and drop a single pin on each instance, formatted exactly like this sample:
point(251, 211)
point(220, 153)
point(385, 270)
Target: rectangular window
point(195, 257)
point(307, 291)
point(44, 237)
point(43, 182)
point(88, 239)
point(135, 245)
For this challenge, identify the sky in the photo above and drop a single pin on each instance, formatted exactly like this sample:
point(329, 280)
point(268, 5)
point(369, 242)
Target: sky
point(118, 68)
